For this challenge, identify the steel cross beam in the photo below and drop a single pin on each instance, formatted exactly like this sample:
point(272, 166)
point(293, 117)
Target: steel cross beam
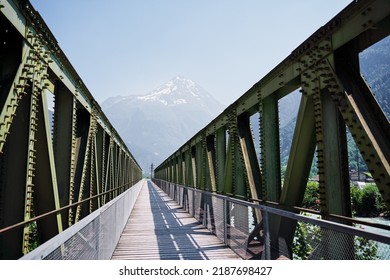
point(334, 96)
point(49, 161)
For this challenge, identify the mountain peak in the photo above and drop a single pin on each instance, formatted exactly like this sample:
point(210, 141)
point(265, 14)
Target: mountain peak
point(163, 119)
point(182, 80)
point(179, 90)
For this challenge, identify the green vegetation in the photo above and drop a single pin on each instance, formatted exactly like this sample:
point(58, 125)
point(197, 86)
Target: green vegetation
point(34, 239)
point(365, 249)
point(367, 202)
point(311, 198)
point(308, 237)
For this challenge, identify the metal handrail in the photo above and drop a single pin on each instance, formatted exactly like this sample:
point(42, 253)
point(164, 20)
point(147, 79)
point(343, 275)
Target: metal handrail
point(293, 215)
point(47, 214)
point(62, 238)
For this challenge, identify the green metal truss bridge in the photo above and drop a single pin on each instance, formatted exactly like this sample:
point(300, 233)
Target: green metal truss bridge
point(71, 189)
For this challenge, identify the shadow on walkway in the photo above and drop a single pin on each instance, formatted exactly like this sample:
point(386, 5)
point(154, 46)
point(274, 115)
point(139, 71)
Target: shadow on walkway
point(179, 235)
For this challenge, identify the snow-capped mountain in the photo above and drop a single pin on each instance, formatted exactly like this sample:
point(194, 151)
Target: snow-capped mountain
point(156, 124)
point(176, 92)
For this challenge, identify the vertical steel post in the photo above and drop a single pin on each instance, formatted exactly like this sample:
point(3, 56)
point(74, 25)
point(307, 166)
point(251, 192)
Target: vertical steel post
point(64, 140)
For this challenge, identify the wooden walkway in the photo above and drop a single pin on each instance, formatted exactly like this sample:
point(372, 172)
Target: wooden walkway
point(158, 228)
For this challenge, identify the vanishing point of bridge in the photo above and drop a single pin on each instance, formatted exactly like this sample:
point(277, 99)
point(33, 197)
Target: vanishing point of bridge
point(71, 189)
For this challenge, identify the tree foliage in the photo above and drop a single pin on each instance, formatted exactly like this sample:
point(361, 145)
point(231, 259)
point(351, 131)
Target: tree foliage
point(311, 197)
point(367, 202)
point(308, 238)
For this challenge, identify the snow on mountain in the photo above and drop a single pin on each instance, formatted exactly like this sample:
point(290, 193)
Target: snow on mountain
point(177, 91)
point(156, 124)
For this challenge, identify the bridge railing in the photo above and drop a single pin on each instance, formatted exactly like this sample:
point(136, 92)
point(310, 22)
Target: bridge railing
point(94, 237)
point(246, 228)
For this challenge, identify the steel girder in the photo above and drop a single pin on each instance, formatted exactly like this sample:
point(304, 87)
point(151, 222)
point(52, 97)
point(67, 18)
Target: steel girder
point(334, 96)
point(49, 162)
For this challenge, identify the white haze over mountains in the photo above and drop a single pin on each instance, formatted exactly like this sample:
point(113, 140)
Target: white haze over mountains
point(156, 124)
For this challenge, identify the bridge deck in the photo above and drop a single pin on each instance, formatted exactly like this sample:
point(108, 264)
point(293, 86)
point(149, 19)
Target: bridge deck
point(159, 229)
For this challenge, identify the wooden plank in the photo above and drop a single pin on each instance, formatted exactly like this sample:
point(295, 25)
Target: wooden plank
point(158, 228)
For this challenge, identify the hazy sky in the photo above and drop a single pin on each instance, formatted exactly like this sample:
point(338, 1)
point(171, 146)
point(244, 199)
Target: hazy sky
point(123, 47)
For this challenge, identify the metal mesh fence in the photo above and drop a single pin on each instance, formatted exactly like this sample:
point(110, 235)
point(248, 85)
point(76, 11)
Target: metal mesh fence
point(218, 219)
point(316, 242)
point(259, 232)
point(198, 211)
point(93, 238)
point(191, 204)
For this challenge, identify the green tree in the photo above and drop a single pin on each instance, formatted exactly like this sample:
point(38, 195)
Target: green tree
point(312, 196)
point(356, 200)
point(367, 202)
point(307, 236)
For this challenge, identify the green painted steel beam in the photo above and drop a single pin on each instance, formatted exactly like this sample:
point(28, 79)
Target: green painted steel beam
point(228, 185)
point(63, 135)
point(250, 162)
point(13, 181)
point(46, 195)
point(301, 154)
point(249, 156)
point(83, 161)
point(16, 90)
point(333, 172)
point(193, 168)
point(188, 174)
point(201, 164)
point(240, 176)
point(297, 172)
point(99, 163)
point(335, 158)
point(270, 148)
point(210, 146)
point(220, 155)
point(93, 189)
point(364, 117)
